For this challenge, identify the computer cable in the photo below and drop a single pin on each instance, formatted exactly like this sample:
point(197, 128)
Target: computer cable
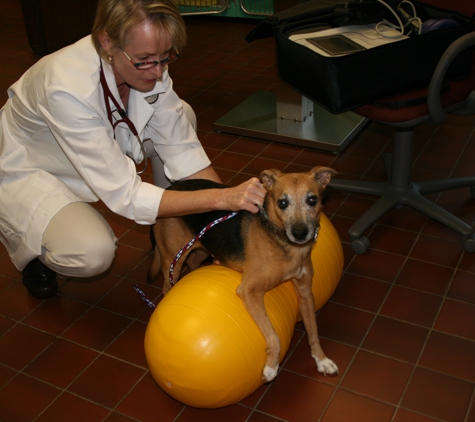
point(413, 22)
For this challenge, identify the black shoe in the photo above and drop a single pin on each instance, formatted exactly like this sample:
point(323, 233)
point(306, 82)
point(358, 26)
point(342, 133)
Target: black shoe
point(39, 280)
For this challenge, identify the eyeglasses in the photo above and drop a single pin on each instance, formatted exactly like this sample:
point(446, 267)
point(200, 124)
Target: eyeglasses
point(149, 65)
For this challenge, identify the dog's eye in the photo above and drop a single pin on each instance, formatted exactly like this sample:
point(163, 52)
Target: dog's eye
point(312, 200)
point(282, 204)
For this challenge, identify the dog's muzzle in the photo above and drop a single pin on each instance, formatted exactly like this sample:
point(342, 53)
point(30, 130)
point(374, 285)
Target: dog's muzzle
point(302, 233)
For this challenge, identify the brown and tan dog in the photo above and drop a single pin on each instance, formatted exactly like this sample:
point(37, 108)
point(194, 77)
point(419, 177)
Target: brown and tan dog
point(269, 248)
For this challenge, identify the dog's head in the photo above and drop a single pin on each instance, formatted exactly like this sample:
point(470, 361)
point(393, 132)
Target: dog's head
point(294, 200)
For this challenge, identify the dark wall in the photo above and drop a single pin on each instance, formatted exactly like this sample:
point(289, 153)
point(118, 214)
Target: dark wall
point(53, 24)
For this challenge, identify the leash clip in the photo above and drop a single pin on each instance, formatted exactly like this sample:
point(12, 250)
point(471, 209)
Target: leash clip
point(263, 211)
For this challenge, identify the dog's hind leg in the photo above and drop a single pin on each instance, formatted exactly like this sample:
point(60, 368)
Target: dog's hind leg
point(169, 236)
point(307, 312)
point(253, 300)
point(189, 261)
point(194, 260)
point(155, 268)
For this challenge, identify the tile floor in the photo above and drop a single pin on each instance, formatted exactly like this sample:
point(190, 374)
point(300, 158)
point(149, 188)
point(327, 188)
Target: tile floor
point(401, 324)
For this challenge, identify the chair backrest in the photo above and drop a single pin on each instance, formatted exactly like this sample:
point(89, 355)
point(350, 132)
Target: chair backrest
point(467, 7)
point(434, 99)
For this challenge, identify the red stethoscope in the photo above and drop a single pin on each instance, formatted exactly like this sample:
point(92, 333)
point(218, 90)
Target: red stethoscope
point(108, 96)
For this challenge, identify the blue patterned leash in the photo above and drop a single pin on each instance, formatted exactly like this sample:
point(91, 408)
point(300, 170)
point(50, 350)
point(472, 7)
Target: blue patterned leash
point(144, 297)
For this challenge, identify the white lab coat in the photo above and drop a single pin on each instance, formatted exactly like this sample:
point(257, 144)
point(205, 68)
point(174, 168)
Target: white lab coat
point(57, 146)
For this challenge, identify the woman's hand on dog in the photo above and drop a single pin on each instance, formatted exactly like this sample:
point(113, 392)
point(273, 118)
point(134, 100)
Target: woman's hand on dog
point(247, 196)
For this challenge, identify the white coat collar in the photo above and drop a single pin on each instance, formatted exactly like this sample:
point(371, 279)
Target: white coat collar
point(139, 110)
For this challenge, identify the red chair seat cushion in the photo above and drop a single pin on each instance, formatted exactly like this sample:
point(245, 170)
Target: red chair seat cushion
point(458, 92)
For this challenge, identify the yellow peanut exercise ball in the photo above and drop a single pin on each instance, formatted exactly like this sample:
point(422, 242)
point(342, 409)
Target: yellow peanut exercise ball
point(201, 345)
point(328, 261)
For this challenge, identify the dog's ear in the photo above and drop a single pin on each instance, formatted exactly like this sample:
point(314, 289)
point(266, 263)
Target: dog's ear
point(268, 178)
point(323, 175)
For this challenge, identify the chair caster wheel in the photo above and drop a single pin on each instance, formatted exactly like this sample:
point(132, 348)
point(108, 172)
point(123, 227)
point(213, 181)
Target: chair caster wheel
point(360, 245)
point(469, 244)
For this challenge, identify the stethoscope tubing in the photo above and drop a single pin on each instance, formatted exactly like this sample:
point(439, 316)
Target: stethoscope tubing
point(124, 118)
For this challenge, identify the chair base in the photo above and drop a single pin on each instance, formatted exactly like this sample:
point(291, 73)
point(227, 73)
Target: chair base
point(258, 117)
point(399, 190)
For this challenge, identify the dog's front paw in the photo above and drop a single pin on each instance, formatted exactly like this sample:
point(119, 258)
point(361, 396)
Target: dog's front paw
point(326, 366)
point(269, 373)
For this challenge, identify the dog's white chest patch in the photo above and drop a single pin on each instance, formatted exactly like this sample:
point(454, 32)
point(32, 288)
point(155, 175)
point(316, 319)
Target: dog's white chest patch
point(299, 273)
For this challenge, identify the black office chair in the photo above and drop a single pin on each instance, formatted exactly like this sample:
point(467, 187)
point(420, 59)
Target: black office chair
point(297, 68)
point(400, 189)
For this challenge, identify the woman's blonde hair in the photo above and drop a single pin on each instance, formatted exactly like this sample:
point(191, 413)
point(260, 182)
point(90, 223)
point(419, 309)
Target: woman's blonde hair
point(118, 17)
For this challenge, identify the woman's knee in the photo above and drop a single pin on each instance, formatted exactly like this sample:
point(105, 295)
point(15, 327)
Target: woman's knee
point(96, 258)
point(78, 242)
point(83, 261)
